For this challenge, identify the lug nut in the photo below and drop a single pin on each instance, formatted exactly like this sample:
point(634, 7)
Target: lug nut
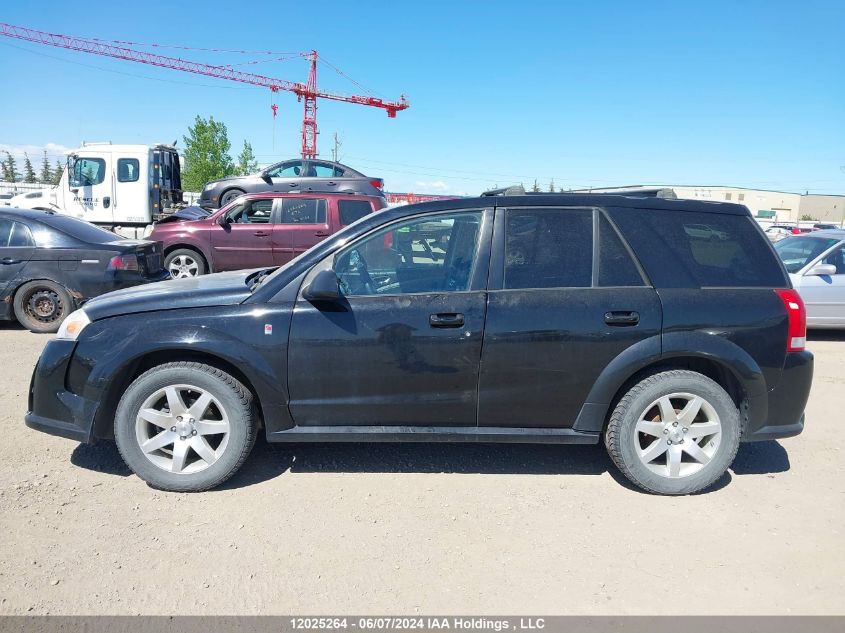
point(179, 418)
point(682, 441)
point(173, 428)
point(191, 420)
point(685, 429)
point(182, 437)
point(665, 431)
point(668, 441)
point(674, 424)
point(194, 432)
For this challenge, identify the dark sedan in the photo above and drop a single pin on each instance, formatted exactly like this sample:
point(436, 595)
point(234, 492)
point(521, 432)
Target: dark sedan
point(50, 264)
point(292, 176)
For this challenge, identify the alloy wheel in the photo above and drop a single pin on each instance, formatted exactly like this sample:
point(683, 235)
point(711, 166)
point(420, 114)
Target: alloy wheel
point(183, 266)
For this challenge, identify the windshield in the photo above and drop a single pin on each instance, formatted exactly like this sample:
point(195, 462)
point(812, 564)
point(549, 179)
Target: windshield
point(796, 252)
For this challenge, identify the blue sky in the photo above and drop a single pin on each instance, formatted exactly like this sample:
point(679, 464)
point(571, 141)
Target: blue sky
point(594, 93)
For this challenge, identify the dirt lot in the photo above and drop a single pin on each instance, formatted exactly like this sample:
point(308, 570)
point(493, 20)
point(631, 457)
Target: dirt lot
point(420, 528)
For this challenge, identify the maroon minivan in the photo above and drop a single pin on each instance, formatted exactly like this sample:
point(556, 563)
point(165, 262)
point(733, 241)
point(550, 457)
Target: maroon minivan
point(255, 230)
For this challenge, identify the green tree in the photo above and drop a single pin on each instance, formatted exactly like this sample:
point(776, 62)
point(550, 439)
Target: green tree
point(552, 186)
point(246, 161)
point(28, 171)
point(10, 169)
point(806, 218)
point(57, 172)
point(535, 187)
point(46, 175)
point(206, 154)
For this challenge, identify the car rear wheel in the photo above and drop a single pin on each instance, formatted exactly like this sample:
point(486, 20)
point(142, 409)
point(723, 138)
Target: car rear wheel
point(184, 262)
point(185, 427)
point(41, 306)
point(674, 433)
point(230, 195)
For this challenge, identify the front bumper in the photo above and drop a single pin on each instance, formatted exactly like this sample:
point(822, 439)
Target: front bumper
point(53, 408)
point(786, 402)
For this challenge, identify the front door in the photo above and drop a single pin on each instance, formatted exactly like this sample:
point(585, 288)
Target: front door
point(824, 295)
point(302, 223)
point(402, 347)
point(244, 240)
point(91, 189)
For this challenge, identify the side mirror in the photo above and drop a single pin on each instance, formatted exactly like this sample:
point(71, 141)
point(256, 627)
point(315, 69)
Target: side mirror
point(224, 221)
point(822, 269)
point(324, 287)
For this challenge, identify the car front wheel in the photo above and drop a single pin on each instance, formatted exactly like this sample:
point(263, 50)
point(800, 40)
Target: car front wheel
point(185, 426)
point(674, 433)
point(184, 262)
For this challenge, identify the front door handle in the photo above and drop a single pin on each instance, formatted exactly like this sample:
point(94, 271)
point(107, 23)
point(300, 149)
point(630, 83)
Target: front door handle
point(261, 233)
point(452, 319)
point(623, 317)
point(10, 260)
point(106, 202)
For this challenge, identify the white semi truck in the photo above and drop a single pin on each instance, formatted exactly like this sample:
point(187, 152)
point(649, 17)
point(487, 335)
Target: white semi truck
point(123, 188)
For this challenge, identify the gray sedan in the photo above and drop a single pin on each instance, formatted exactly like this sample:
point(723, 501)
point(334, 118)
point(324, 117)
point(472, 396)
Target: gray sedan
point(295, 176)
point(816, 265)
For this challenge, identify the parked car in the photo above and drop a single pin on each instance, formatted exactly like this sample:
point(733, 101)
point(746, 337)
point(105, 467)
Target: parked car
point(265, 229)
point(821, 226)
point(50, 264)
point(777, 232)
point(816, 266)
point(669, 347)
point(705, 232)
point(298, 176)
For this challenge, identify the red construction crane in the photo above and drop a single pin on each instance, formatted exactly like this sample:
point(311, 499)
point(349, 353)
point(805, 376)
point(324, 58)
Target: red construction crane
point(307, 92)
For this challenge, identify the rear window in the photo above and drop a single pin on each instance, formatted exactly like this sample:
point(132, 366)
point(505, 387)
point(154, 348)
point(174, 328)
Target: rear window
point(353, 210)
point(681, 249)
point(67, 226)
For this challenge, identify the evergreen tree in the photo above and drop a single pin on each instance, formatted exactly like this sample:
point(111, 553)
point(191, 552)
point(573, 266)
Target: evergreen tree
point(28, 171)
point(552, 186)
point(206, 154)
point(10, 169)
point(57, 172)
point(535, 188)
point(46, 176)
point(246, 161)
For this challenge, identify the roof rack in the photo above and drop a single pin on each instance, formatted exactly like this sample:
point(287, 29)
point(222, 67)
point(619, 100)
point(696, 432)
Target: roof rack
point(519, 190)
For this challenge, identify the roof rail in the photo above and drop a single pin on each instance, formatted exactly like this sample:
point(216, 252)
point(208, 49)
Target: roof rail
point(513, 190)
point(519, 190)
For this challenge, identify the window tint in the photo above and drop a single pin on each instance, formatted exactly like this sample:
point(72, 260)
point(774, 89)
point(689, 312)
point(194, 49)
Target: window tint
point(324, 170)
point(5, 232)
point(682, 249)
point(303, 211)
point(21, 235)
point(616, 268)
point(837, 258)
point(797, 252)
point(88, 172)
point(549, 248)
point(70, 231)
point(128, 169)
point(252, 212)
point(289, 169)
point(353, 210)
point(431, 254)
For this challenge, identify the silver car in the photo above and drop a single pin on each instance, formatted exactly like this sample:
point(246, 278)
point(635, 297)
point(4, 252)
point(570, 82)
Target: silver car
point(816, 264)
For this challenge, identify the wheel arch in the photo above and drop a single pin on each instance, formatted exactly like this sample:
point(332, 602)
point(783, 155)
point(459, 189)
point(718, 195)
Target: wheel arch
point(192, 247)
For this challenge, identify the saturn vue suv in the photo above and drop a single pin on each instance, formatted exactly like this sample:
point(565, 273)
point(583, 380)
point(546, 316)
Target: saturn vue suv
point(554, 318)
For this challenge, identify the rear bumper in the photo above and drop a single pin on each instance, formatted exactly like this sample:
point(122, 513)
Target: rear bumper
point(786, 402)
point(53, 408)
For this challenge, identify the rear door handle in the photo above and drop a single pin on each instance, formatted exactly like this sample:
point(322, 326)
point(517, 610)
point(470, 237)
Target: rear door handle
point(261, 233)
point(321, 234)
point(628, 317)
point(452, 319)
point(9, 260)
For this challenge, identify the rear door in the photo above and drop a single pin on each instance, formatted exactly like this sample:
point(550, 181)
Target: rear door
point(302, 223)
point(566, 298)
point(245, 241)
point(16, 249)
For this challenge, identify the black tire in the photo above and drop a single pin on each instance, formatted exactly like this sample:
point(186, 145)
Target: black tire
point(185, 262)
point(237, 406)
point(230, 195)
point(41, 306)
point(624, 441)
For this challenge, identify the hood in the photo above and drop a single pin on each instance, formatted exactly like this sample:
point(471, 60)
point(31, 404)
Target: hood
point(219, 289)
point(188, 213)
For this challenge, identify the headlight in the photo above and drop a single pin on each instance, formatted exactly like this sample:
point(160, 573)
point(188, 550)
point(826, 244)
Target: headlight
point(73, 325)
point(209, 186)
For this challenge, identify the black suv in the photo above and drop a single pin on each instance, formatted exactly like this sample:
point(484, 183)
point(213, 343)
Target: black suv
point(527, 318)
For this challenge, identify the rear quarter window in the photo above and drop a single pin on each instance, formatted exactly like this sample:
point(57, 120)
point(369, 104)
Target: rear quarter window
point(63, 230)
point(682, 249)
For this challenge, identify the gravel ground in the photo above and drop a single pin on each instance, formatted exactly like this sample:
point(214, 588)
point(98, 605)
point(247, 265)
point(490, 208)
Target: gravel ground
point(404, 529)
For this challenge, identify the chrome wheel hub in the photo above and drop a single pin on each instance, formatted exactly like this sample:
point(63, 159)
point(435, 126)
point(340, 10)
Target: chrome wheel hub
point(182, 429)
point(677, 435)
point(183, 266)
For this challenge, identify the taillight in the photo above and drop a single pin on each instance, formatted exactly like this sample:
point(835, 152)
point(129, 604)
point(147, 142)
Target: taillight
point(123, 262)
point(797, 334)
point(795, 230)
point(378, 183)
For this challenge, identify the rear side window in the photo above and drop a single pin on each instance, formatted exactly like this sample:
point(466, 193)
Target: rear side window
point(681, 249)
point(616, 268)
point(548, 248)
point(303, 211)
point(353, 210)
point(21, 235)
point(62, 229)
point(5, 232)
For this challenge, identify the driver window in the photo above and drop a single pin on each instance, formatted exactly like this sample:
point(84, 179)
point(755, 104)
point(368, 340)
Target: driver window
point(432, 254)
point(290, 169)
point(251, 212)
point(837, 258)
point(87, 172)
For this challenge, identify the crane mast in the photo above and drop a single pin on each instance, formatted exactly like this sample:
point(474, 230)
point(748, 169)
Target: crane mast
point(308, 92)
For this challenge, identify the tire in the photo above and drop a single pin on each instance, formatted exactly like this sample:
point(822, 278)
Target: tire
point(41, 306)
point(230, 195)
point(663, 443)
point(194, 451)
point(184, 262)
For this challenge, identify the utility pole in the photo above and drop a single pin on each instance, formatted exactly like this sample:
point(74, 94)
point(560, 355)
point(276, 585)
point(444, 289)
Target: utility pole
point(336, 148)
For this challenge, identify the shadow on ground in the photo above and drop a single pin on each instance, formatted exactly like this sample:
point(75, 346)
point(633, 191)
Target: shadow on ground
point(826, 335)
